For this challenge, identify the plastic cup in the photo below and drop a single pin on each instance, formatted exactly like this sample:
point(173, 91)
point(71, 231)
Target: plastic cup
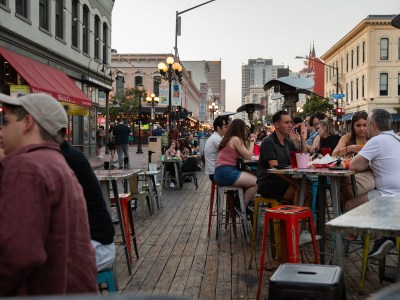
point(326, 151)
point(256, 149)
point(302, 160)
point(293, 161)
point(347, 163)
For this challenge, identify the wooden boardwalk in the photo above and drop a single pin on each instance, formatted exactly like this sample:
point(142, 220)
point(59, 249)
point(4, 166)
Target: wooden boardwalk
point(177, 257)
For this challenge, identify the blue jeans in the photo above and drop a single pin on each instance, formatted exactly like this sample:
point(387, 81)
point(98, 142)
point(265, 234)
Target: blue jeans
point(122, 151)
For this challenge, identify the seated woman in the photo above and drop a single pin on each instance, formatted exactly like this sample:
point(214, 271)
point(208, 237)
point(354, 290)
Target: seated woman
point(185, 152)
point(349, 145)
point(171, 153)
point(327, 138)
point(236, 143)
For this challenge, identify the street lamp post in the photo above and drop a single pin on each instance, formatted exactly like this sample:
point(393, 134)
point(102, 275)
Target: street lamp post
point(139, 144)
point(172, 71)
point(152, 100)
point(213, 108)
point(336, 69)
point(178, 24)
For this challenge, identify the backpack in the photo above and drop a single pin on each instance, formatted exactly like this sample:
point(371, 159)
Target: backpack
point(190, 165)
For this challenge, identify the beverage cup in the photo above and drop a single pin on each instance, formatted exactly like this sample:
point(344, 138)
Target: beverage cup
point(256, 149)
point(293, 161)
point(302, 160)
point(347, 163)
point(106, 165)
point(326, 151)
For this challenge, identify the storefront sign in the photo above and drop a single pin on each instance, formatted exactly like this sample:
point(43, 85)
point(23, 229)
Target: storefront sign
point(19, 90)
point(76, 110)
point(203, 98)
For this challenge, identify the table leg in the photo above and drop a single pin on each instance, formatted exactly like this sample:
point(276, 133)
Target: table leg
point(128, 255)
point(177, 175)
point(151, 191)
point(156, 197)
point(335, 194)
point(321, 215)
point(303, 189)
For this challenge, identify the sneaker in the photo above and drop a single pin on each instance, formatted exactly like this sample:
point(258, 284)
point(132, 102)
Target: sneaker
point(305, 237)
point(172, 185)
point(381, 248)
point(120, 168)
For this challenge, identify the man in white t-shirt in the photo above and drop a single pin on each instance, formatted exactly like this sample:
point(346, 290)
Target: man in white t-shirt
point(220, 125)
point(381, 155)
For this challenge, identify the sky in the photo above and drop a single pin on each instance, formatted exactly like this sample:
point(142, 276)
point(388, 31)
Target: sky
point(234, 31)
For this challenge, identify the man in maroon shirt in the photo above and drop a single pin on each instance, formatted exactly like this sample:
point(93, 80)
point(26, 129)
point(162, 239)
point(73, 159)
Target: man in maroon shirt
point(45, 243)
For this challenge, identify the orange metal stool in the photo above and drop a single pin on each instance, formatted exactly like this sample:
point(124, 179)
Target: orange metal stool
point(291, 215)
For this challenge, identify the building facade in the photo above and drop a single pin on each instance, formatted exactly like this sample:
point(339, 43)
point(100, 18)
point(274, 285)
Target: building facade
point(61, 48)
point(142, 69)
point(368, 60)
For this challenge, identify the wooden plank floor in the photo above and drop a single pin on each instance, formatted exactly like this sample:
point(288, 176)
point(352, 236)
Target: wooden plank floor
point(177, 257)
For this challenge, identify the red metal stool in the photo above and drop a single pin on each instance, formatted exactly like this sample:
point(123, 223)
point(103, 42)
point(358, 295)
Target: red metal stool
point(291, 215)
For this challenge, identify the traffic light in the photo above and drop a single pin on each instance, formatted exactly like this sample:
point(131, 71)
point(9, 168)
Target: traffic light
point(339, 111)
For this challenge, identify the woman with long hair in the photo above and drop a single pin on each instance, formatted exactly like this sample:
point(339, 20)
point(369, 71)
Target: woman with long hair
point(349, 145)
point(237, 142)
point(172, 152)
point(183, 149)
point(352, 142)
point(327, 138)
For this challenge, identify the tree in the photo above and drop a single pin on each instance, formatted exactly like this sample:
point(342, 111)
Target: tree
point(126, 106)
point(315, 103)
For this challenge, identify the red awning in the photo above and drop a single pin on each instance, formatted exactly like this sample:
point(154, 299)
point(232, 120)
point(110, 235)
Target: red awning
point(46, 79)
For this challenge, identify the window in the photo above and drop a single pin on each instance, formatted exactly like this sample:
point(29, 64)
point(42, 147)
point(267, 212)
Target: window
point(347, 62)
point(398, 84)
point(363, 52)
point(383, 84)
point(357, 89)
point(60, 19)
point(351, 91)
point(156, 85)
point(105, 42)
point(21, 7)
point(44, 14)
point(326, 75)
point(352, 59)
point(398, 49)
point(384, 49)
point(3, 2)
point(362, 86)
point(341, 65)
point(347, 91)
point(74, 23)
point(138, 81)
point(85, 30)
point(357, 56)
point(96, 37)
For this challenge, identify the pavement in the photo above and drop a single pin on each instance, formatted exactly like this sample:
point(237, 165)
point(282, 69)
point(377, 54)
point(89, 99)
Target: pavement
point(137, 160)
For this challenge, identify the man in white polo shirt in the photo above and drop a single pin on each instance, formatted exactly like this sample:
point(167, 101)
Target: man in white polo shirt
point(381, 155)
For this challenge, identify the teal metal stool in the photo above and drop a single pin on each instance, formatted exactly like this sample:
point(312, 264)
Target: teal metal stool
point(107, 276)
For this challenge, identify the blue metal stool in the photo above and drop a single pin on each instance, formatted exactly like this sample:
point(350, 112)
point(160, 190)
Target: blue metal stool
point(107, 276)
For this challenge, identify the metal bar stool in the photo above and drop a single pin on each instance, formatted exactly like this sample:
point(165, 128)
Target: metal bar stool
point(220, 199)
point(291, 215)
point(273, 203)
point(211, 207)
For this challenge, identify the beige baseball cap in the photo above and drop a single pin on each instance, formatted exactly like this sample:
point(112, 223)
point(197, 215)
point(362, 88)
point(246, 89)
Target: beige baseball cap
point(47, 111)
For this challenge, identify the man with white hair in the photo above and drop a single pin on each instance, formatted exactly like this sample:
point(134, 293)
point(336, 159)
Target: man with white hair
point(45, 245)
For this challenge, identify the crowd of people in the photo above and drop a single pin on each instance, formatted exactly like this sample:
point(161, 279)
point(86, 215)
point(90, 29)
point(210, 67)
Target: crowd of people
point(371, 146)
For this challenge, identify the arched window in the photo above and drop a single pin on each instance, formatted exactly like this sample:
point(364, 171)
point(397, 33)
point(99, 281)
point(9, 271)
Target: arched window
point(85, 30)
point(105, 42)
point(363, 86)
point(97, 37)
point(74, 23)
point(138, 81)
point(363, 52)
point(156, 85)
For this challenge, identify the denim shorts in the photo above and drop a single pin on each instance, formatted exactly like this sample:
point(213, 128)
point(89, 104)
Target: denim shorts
point(226, 175)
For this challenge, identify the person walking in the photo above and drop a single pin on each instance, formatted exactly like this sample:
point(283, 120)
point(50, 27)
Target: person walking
point(44, 230)
point(121, 135)
point(100, 134)
point(111, 145)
